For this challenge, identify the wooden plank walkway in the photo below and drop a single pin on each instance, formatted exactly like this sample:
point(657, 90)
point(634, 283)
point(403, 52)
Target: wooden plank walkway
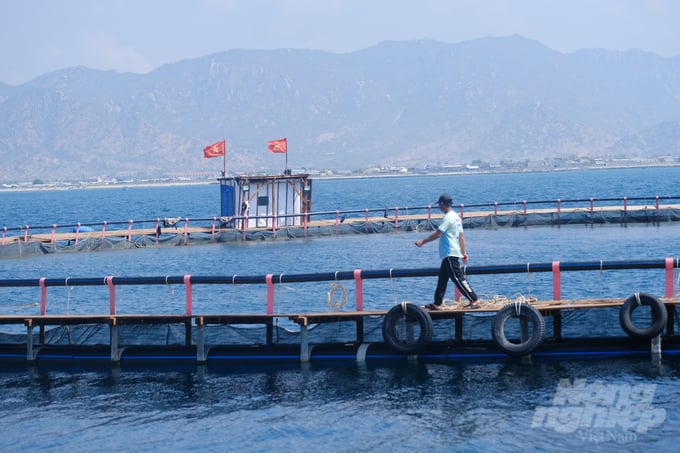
point(299, 318)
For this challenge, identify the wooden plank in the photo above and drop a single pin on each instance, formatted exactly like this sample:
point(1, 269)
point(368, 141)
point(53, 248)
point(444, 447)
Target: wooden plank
point(202, 320)
point(305, 319)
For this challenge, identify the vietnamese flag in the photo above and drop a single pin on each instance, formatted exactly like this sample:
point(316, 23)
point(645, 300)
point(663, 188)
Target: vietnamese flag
point(215, 150)
point(278, 146)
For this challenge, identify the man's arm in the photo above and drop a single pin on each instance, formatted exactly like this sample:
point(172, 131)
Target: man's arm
point(436, 234)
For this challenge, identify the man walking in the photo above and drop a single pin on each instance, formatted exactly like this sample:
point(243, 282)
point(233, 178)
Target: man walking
point(451, 250)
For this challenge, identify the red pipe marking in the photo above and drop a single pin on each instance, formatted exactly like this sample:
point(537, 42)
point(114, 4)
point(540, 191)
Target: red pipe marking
point(557, 281)
point(104, 229)
point(669, 278)
point(359, 290)
point(270, 294)
point(189, 294)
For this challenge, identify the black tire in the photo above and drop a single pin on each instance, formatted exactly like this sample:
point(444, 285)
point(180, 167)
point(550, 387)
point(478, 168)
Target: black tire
point(659, 316)
point(398, 323)
point(524, 312)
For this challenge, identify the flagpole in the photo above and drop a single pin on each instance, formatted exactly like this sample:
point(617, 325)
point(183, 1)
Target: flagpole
point(224, 173)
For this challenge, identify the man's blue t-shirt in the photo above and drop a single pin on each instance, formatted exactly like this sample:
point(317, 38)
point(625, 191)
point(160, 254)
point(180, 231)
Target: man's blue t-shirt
point(451, 227)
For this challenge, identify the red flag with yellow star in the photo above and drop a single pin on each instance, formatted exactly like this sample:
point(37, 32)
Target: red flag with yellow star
point(278, 146)
point(215, 150)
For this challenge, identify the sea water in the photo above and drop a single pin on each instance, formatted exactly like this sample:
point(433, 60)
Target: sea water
point(501, 405)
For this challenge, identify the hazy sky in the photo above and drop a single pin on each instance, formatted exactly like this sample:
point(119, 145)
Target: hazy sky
point(39, 36)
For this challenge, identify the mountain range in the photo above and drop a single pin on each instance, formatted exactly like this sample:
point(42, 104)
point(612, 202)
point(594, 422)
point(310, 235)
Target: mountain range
point(406, 103)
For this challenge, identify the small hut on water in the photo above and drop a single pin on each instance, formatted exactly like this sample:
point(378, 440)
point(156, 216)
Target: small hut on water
point(266, 201)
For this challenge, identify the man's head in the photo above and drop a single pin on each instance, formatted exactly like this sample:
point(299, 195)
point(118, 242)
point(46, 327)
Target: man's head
point(445, 201)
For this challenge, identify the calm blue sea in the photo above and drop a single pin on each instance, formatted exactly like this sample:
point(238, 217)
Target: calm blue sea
point(505, 405)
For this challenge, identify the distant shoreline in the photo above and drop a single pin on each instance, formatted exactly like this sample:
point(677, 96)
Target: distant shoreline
point(131, 185)
point(125, 185)
point(495, 172)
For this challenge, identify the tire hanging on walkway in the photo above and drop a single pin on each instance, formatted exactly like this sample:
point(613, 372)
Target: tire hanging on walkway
point(407, 328)
point(658, 320)
point(530, 338)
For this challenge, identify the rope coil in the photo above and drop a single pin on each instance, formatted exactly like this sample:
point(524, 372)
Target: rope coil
point(342, 299)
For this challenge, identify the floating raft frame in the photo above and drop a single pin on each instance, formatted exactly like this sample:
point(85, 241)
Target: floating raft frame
point(199, 351)
point(26, 240)
point(198, 347)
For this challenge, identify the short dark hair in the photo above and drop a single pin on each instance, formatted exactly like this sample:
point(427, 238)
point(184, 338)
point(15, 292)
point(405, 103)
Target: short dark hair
point(445, 199)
